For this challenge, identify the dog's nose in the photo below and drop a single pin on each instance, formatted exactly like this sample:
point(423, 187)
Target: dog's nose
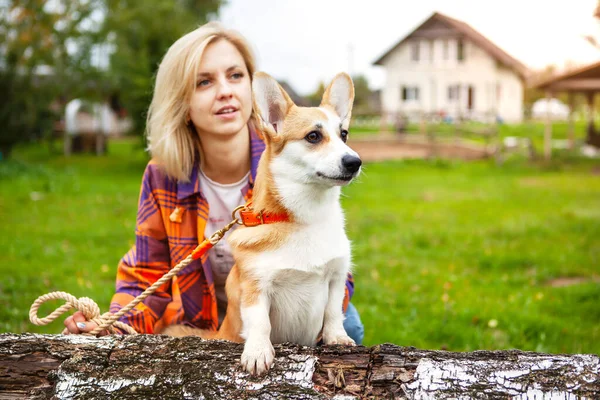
point(351, 163)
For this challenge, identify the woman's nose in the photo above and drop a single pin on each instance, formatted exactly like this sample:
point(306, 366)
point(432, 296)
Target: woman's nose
point(225, 89)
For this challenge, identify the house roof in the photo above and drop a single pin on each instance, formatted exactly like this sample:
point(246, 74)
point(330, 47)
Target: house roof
point(467, 31)
point(580, 79)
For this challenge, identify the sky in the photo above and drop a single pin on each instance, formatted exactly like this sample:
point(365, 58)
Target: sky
point(308, 41)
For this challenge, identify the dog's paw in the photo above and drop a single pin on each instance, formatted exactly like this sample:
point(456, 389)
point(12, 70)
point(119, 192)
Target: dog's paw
point(343, 339)
point(258, 356)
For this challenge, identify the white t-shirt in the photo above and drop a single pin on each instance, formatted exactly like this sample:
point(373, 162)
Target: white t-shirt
point(222, 200)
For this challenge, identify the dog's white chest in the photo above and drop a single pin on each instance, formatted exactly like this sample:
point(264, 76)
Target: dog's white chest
point(297, 277)
point(308, 249)
point(299, 274)
point(298, 300)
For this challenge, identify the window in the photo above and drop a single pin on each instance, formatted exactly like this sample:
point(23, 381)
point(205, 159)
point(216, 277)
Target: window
point(460, 50)
point(498, 91)
point(410, 93)
point(453, 92)
point(415, 51)
point(431, 51)
point(446, 49)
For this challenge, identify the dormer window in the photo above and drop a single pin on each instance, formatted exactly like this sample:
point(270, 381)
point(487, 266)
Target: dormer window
point(415, 51)
point(446, 50)
point(431, 50)
point(460, 50)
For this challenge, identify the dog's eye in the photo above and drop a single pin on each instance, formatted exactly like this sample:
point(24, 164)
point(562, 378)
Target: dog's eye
point(313, 137)
point(344, 135)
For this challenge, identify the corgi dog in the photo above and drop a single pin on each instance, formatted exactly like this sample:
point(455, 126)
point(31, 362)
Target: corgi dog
point(288, 281)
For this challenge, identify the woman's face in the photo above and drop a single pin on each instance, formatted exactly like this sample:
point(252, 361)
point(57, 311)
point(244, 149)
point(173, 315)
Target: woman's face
point(222, 101)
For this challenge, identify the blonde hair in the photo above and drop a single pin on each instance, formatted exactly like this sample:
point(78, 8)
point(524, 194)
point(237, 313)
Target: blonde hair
point(171, 142)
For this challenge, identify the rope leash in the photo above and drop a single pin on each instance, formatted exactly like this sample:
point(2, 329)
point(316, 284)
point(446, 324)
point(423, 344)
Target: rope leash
point(106, 321)
point(87, 306)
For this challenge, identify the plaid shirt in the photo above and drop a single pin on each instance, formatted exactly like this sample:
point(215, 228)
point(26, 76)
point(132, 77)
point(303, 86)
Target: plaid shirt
point(171, 217)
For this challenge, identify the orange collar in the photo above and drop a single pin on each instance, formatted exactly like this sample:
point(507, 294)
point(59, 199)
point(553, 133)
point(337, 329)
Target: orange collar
point(248, 217)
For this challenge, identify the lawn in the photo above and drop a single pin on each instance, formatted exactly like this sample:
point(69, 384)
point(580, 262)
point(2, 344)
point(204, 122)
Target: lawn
point(452, 255)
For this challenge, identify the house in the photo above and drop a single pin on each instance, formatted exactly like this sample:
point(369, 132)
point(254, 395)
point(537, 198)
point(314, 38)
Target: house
point(583, 80)
point(446, 67)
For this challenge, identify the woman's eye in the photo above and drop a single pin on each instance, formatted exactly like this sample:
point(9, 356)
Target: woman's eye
point(204, 82)
point(344, 135)
point(313, 137)
point(237, 75)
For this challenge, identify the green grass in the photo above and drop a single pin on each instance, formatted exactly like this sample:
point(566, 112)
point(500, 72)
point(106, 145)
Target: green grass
point(448, 255)
point(446, 251)
point(65, 224)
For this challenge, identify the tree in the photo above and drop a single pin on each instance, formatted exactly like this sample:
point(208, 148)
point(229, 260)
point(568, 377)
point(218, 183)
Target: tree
point(44, 52)
point(362, 95)
point(158, 366)
point(141, 33)
point(315, 98)
point(50, 50)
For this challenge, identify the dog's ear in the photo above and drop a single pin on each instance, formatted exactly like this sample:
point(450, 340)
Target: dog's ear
point(340, 95)
point(271, 101)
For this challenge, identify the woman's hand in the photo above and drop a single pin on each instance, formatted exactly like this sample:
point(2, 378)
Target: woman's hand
point(77, 323)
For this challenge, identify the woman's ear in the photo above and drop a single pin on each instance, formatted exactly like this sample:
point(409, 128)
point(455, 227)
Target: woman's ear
point(272, 103)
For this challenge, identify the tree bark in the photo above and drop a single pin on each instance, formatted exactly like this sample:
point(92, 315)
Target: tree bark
point(155, 366)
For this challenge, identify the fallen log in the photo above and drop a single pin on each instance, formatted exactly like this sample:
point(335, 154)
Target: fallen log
point(154, 366)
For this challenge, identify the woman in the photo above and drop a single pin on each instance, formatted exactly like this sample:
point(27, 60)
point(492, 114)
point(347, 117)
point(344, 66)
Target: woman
point(205, 152)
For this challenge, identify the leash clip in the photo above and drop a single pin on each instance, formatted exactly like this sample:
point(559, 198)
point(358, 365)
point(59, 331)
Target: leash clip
point(235, 211)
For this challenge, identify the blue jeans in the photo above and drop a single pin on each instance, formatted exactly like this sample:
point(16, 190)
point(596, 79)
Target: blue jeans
point(353, 325)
